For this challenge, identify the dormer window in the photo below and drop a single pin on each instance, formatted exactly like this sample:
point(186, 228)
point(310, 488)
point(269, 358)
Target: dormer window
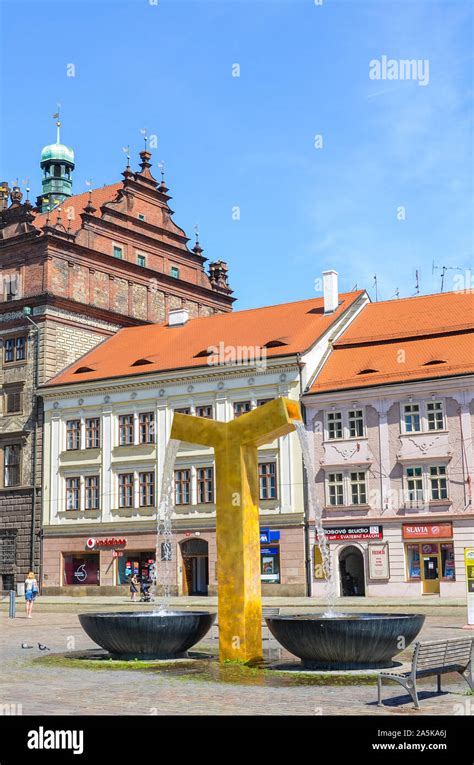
point(141, 362)
point(275, 344)
point(433, 362)
point(141, 216)
point(367, 371)
point(174, 272)
point(82, 370)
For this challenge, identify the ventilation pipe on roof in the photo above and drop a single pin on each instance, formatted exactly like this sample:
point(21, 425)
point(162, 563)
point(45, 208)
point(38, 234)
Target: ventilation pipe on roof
point(330, 290)
point(177, 317)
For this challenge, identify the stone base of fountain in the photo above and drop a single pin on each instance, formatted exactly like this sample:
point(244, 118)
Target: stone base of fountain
point(346, 641)
point(147, 635)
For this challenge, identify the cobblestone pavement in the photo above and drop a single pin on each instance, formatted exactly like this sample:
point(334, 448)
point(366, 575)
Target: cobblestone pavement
point(43, 689)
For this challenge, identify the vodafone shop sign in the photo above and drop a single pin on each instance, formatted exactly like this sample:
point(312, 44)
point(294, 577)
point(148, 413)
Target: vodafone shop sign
point(95, 544)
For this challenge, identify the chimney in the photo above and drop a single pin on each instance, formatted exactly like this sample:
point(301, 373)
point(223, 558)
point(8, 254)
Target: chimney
point(177, 317)
point(331, 295)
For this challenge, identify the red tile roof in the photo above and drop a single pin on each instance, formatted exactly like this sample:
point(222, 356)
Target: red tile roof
point(403, 340)
point(72, 208)
point(289, 328)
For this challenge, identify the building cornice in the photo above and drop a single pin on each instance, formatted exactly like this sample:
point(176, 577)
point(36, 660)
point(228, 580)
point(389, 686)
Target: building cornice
point(185, 376)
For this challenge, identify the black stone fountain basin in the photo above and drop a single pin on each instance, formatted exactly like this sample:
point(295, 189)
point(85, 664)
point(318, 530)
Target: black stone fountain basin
point(147, 635)
point(346, 641)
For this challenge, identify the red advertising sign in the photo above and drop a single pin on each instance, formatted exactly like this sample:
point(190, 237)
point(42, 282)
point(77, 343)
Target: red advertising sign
point(428, 531)
point(354, 532)
point(93, 544)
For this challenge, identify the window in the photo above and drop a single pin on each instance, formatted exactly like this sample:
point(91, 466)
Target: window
point(358, 488)
point(334, 421)
point(335, 489)
point(267, 480)
point(412, 418)
point(146, 425)
point(92, 492)
point(414, 484)
point(126, 490)
point(182, 487)
point(126, 430)
point(262, 401)
point(141, 216)
point(13, 402)
point(118, 252)
point(11, 286)
point(356, 423)
point(73, 434)
point(439, 482)
point(183, 410)
point(413, 560)
point(174, 272)
point(434, 413)
point(205, 484)
point(241, 407)
point(204, 411)
point(15, 349)
point(92, 433)
point(73, 493)
point(141, 260)
point(11, 465)
point(448, 570)
point(147, 489)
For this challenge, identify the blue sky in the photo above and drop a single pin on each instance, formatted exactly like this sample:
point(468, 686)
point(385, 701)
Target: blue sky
point(248, 141)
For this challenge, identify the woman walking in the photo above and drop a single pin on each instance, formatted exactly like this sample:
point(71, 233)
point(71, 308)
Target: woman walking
point(31, 591)
point(134, 587)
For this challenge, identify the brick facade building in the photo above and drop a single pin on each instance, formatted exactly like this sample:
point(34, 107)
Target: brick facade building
point(83, 266)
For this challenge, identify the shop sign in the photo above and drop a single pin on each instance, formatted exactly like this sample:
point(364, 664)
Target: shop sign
point(353, 532)
point(378, 561)
point(93, 544)
point(269, 550)
point(428, 531)
point(117, 553)
point(267, 536)
point(469, 563)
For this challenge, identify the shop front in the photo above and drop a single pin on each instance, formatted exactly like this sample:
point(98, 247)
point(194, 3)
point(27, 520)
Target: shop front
point(429, 555)
point(93, 565)
point(356, 556)
point(270, 556)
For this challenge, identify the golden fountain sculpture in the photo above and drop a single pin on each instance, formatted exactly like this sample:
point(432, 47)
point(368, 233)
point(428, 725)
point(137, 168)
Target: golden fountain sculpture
point(235, 446)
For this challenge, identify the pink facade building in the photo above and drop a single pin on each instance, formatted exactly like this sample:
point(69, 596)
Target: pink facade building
point(390, 417)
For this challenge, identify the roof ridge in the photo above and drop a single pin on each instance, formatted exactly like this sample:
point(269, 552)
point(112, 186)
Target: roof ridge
point(388, 338)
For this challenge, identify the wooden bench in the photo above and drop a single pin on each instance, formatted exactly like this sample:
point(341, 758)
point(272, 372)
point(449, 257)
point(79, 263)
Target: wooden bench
point(436, 657)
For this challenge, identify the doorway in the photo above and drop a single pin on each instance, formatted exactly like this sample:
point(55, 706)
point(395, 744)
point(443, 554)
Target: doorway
point(351, 572)
point(195, 554)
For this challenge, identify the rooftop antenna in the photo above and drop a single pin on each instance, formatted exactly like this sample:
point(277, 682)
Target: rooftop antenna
point(417, 282)
point(375, 284)
point(196, 232)
point(443, 270)
point(144, 133)
point(58, 123)
point(161, 165)
point(396, 293)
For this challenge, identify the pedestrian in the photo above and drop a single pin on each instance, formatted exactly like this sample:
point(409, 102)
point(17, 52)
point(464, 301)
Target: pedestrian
point(31, 591)
point(134, 583)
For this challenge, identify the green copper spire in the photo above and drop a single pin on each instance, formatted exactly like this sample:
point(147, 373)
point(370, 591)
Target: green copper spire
point(57, 164)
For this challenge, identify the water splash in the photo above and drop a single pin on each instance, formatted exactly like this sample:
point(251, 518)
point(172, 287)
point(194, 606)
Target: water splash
point(164, 532)
point(317, 511)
